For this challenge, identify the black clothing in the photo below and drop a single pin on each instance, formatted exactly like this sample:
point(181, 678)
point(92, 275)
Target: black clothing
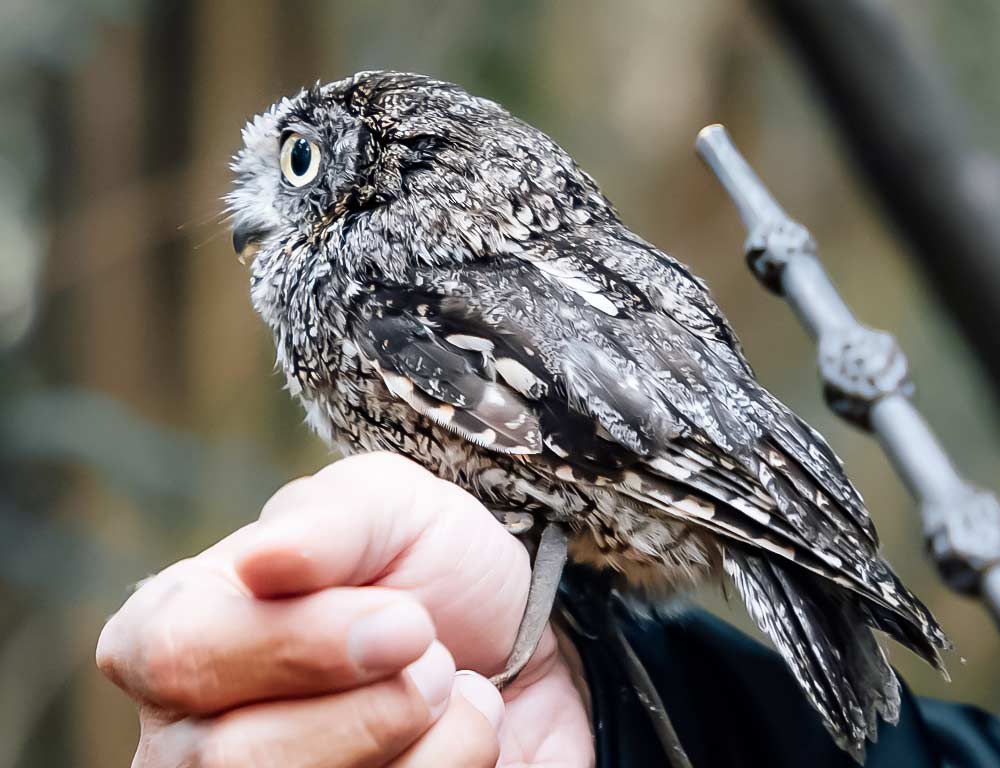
point(735, 704)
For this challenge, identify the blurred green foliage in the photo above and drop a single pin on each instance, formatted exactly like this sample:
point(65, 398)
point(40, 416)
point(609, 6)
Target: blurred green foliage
point(139, 417)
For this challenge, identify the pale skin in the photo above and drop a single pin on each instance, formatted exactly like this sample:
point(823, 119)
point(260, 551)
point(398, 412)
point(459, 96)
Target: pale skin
point(328, 633)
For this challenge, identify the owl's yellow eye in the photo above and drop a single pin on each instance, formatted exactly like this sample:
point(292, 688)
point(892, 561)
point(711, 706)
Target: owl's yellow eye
point(299, 160)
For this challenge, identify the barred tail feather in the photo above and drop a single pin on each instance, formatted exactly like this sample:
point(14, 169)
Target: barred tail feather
point(915, 628)
point(822, 632)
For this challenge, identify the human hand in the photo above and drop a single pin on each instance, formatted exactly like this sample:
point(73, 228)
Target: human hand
point(327, 635)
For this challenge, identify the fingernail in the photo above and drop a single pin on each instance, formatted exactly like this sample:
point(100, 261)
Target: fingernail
point(433, 674)
point(388, 638)
point(481, 694)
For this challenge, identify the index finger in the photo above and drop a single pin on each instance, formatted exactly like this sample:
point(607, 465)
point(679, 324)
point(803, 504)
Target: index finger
point(187, 642)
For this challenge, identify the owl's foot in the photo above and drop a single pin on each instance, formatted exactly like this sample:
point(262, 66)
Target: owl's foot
point(546, 572)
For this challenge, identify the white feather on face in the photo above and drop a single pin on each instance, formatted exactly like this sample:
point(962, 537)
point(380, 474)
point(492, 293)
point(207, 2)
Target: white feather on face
point(284, 219)
point(267, 203)
point(258, 174)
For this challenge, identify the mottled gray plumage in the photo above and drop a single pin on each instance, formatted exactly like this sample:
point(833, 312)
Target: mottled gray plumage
point(448, 284)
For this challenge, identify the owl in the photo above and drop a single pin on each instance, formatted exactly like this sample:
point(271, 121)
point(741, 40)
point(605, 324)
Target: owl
point(443, 281)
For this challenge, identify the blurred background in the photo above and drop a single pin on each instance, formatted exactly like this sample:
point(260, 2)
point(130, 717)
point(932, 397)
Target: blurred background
point(140, 418)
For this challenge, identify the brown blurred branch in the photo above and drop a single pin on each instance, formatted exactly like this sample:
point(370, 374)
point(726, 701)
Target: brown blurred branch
point(909, 138)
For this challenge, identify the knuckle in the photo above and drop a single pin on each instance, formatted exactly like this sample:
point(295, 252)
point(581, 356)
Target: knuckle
point(230, 741)
point(225, 741)
point(126, 641)
point(161, 661)
point(288, 497)
point(395, 462)
point(305, 654)
point(456, 501)
point(380, 464)
point(388, 719)
point(108, 655)
point(170, 660)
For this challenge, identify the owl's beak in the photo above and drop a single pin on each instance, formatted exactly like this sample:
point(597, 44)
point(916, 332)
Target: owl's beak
point(246, 240)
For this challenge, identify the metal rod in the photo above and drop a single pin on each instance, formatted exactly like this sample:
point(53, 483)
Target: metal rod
point(907, 133)
point(866, 379)
point(912, 448)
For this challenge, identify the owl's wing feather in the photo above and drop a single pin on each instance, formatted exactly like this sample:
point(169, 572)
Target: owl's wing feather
point(706, 344)
point(449, 385)
point(623, 394)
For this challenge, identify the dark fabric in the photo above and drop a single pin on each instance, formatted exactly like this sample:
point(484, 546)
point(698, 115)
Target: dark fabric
point(735, 705)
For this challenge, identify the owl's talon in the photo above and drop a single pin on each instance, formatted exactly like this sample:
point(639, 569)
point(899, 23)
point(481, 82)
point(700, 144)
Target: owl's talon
point(546, 573)
point(516, 523)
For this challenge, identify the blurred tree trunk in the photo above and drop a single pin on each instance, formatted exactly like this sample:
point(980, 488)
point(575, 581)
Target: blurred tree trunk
point(910, 138)
point(113, 329)
point(233, 59)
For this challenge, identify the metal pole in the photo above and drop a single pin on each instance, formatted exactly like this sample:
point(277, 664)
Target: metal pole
point(866, 379)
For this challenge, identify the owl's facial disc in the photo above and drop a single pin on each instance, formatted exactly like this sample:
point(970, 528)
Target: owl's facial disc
point(297, 159)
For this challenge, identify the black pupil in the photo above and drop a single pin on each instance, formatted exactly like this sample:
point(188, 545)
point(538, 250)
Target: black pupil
point(301, 156)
